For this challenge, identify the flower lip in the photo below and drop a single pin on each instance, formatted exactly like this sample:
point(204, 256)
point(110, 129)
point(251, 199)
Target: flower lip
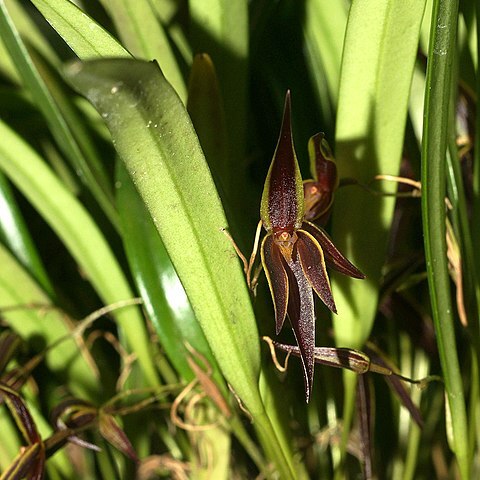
point(285, 240)
point(284, 236)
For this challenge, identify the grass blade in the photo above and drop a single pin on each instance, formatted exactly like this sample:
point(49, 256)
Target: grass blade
point(437, 104)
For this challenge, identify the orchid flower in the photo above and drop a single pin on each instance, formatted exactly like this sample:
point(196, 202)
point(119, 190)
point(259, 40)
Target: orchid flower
point(295, 252)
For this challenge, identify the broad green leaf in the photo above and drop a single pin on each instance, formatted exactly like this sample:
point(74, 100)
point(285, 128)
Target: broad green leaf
point(435, 138)
point(324, 30)
point(381, 35)
point(157, 282)
point(83, 35)
point(371, 118)
point(144, 36)
point(82, 237)
point(155, 138)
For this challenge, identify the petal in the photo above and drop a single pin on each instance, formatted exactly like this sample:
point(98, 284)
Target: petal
point(313, 264)
point(282, 205)
point(322, 163)
point(317, 201)
point(333, 256)
point(302, 318)
point(277, 279)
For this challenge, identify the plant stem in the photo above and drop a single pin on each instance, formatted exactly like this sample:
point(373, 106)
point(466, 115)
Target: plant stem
point(436, 115)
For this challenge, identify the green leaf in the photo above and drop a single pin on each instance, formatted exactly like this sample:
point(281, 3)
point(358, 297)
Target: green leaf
point(14, 234)
point(220, 29)
point(155, 138)
point(18, 289)
point(30, 31)
point(83, 35)
point(324, 31)
point(163, 295)
point(144, 36)
point(45, 101)
point(379, 54)
point(205, 108)
point(435, 138)
point(82, 237)
point(170, 173)
point(371, 120)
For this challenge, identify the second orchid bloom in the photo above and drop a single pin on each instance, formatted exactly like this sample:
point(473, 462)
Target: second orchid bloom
point(295, 252)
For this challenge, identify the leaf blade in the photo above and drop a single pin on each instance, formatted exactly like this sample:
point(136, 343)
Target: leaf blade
point(171, 175)
point(75, 227)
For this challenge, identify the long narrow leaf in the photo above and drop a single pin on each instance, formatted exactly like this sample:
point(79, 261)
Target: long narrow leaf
point(144, 36)
point(14, 234)
point(164, 298)
point(369, 139)
point(69, 219)
point(82, 34)
point(437, 104)
point(324, 31)
point(371, 119)
point(220, 29)
point(46, 103)
point(170, 173)
point(155, 138)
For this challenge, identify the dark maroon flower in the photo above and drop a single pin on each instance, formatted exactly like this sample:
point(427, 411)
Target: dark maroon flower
point(295, 252)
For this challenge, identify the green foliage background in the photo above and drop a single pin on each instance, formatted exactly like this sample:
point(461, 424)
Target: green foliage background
point(118, 175)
